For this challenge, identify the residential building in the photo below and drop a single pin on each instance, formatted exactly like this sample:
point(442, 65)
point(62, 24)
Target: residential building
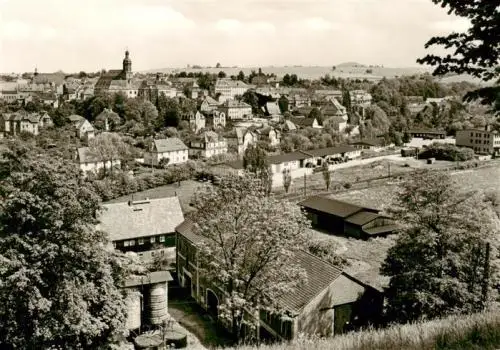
point(240, 139)
point(207, 145)
point(427, 134)
point(196, 121)
point(347, 219)
point(300, 101)
point(333, 108)
point(22, 121)
point(272, 109)
point(173, 150)
point(321, 93)
point(9, 95)
point(329, 300)
point(208, 104)
point(236, 110)
point(215, 119)
point(146, 227)
point(109, 117)
point(338, 123)
point(90, 162)
point(481, 141)
point(83, 129)
point(288, 126)
point(270, 135)
point(360, 98)
point(301, 123)
point(228, 89)
point(151, 90)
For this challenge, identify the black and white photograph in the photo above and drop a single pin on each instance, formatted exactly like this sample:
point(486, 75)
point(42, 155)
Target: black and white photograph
point(250, 174)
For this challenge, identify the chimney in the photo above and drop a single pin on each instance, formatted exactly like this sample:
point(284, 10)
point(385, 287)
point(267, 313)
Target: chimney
point(487, 127)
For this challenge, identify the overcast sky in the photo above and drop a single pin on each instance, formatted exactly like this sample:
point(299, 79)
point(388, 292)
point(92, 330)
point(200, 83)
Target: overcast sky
point(93, 34)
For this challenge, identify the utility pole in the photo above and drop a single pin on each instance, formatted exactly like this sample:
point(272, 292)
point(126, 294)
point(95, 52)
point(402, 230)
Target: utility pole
point(305, 192)
point(389, 169)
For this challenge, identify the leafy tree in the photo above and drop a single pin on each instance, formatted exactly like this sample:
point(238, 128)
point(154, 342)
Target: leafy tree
point(221, 74)
point(217, 65)
point(287, 179)
point(316, 113)
point(327, 176)
point(346, 100)
point(475, 52)
point(283, 104)
point(108, 147)
point(248, 251)
point(59, 282)
point(437, 266)
point(241, 76)
point(255, 159)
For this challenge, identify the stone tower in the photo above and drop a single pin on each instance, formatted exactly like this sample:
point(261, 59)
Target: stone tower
point(127, 66)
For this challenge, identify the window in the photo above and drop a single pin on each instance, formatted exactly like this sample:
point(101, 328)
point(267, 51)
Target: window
point(141, 241)
point(162, 238)
point(153, 239)
point(132, 243)
point(126, 243)
point(114, 244)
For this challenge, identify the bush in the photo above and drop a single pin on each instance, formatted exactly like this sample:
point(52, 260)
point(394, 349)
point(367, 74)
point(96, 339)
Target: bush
point(442, 151)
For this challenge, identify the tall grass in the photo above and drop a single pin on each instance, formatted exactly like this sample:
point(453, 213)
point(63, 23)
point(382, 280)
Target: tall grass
point(478, 331)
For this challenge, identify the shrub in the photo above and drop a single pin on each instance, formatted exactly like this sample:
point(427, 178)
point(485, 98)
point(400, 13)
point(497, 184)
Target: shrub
point(442, 151)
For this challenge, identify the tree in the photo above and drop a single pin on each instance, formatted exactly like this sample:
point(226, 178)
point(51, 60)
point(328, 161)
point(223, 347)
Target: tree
point(247, 252)
point(283, 104)
point(221, 74)
point(108, 147)
point(241, 76)
point(437, 266)
point(346, 100)
point(287, 179)
point(326, 175)
point(217, 65)
point(475, 52)
point(60, 284)
point(316, 113)
point(255, 162)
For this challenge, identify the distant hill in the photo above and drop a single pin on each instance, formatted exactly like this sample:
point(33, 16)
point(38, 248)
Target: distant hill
point(350, 64)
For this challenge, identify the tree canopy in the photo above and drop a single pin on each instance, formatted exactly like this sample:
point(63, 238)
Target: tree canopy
point(475, 51)
point(248, 244)
point(59, 284)
point(439, 264)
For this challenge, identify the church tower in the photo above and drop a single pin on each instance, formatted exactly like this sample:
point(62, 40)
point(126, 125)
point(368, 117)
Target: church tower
point(127, 66)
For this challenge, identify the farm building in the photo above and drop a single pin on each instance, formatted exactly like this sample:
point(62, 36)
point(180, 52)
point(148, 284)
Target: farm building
point(342, 218)
point(329, 300)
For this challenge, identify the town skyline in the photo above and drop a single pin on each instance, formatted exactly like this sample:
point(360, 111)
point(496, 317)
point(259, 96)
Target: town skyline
point(61, 35)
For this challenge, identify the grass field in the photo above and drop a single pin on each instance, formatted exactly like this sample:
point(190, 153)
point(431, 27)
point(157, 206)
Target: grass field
point(470, 332)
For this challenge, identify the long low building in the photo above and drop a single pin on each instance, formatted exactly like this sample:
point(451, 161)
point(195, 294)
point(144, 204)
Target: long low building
point(347, 219)
point(297, 163)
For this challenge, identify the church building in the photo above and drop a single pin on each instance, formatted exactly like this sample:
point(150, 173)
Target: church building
point(119, 80)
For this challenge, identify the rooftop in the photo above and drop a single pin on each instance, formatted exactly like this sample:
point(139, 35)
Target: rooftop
point(169, 145)
point(128, 220)
point(150, 278)
point(330, 206)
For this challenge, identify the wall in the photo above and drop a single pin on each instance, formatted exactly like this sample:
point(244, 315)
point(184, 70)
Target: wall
point(297, 175)
point(95, 166)
point(319, 316)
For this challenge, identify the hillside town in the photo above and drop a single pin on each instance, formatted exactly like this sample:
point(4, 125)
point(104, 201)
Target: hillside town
point(201, 208)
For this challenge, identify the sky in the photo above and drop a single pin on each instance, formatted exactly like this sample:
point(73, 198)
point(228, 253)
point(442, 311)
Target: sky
point(91, 35)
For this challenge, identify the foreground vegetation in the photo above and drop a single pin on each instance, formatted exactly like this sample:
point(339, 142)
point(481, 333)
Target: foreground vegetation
point(476, 331)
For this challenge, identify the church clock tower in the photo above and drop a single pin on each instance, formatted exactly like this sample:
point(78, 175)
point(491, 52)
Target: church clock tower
point(127, 66)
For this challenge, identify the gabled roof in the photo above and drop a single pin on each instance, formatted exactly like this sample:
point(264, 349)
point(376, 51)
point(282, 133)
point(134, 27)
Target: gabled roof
point(362, 218)
point(74, 118)
point(127, 220)
point(320, 275)
point(169, 145)
point(428, 131)
point(289, 125)
point(330, 206)
point(81, 122)
point(235, 104)
point(288, 157)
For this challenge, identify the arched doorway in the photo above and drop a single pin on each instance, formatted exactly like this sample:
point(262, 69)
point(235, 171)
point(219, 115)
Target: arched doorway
point(212, 303)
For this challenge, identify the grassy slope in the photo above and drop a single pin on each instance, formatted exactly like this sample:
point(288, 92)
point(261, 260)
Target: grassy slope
point(479, 331)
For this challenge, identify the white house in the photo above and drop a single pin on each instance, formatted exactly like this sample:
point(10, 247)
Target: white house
point(171, 149)
point(241, 138)
point(236, 110)
point(207, 145)
point(84, 130)
point(228, 89)
point(90, 162)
